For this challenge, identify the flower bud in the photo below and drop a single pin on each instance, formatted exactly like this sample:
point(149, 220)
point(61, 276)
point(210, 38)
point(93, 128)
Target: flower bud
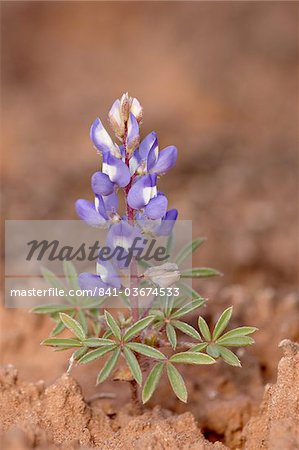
point(125, 104)
point(133, 136)
point(136, 109)
point(164, 276)
point(116, 120)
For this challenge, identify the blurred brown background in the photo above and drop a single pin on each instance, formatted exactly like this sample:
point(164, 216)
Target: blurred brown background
point(218, 80)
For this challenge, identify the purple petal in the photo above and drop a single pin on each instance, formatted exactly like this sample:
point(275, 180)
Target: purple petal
point(133, 133)
point(86, 211)
point(135, 161)
point(111, 203)
point(167, 224)
point(115, 118)
point(148, 142)
point(122, 235)
point(166, 160)
point(89, 281)
point(101, 184)
point(108, 274)
point(157, 207)
point(116, 170)
point(100, 206)
point(100, 138)
point(142, 191)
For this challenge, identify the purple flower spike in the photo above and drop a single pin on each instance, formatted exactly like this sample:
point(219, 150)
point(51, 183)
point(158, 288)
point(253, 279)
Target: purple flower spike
point(116, 170)
point(142, 191)
point(166, 160)
point(89, 281)
point(157, 207)
point(101, 184)
point(89, 212)
point(108, 273)
point(101, 139)
point(133, 133)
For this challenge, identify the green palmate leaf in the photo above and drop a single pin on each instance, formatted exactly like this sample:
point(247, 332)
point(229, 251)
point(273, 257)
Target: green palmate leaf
point(73, 326)
point(192, 358)
point(200, 272)
point(107, 334)
point(133, 365)
point(83, 321)
point(169, 303)
point(204, 329)
point(213, 350)
point(58, 328)
point(109, 366)
point(60, 349)
point(97, 342)
point(137, 327)
point(152, 381)
point(94, 354)
point(222, 322)
point(50, 309)
point(171, 335)
point(238, 341)
point(146, 350)
point(188, 250)
point(186, 309)
point(198, 347)
point(186, 328)
point(79, 353)
point(242, 331)
point(112, 324)
point(177, 383)
point(62, 342)
point(229, 357)
point(51, 278)
point(71, 275)
point(159, 315)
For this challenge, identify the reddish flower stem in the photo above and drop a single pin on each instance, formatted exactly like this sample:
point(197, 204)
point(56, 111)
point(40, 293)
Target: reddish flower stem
point(131, 217)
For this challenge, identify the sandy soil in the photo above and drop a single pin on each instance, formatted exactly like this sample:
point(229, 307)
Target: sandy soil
point(59, 417)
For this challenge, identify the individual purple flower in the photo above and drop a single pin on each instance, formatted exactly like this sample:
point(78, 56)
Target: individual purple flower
point(160, 227)
point(149, 159)
point(167, 223)
point(92, 282)
point(101, 184)
point(143, 194)
point(122, 234)
point(156, 207)
point(126, 240)
point(117, 171)
point(98, 213)
point(142, 191)
point(108, 274)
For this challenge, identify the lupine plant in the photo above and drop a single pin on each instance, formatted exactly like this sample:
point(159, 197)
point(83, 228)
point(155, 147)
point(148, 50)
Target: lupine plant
point(139, 345)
